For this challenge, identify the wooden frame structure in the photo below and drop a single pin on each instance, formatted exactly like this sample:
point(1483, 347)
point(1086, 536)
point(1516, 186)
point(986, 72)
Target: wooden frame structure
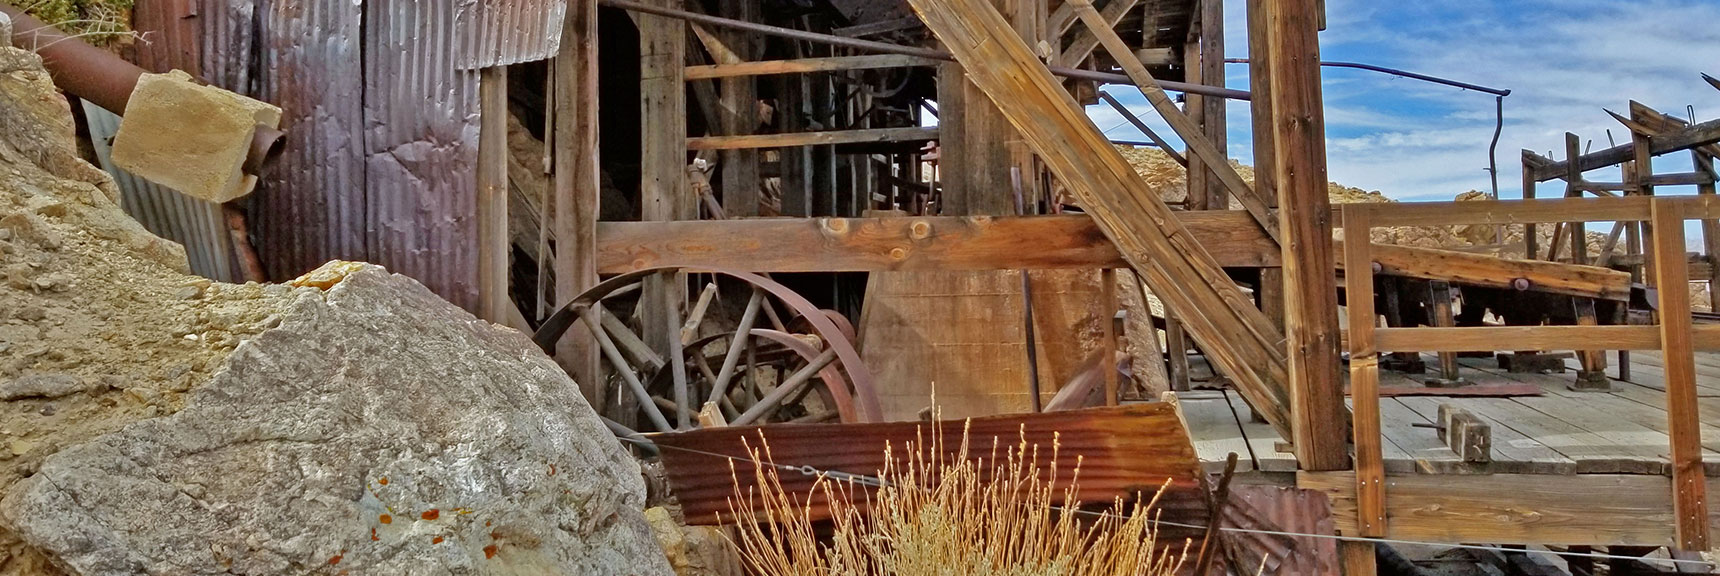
point(1012, 114)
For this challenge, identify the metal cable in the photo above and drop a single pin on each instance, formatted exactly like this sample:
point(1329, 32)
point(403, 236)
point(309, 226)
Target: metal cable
point(876, 482)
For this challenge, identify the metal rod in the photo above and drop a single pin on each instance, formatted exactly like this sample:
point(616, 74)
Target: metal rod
point(1027, 302)
point(888, 48)
point(1397, 72)
point(1142, 126)
point(105, 79)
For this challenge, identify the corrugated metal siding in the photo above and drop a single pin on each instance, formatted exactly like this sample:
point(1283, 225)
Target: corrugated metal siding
point(421, 147)
point(173, 34)
point(500, 32)
point(196, 224)
point(1279, 509)
point(311, 206)
point(1122, 452)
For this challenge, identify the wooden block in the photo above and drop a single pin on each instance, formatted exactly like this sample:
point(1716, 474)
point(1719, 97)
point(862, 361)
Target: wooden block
point(1467, 434)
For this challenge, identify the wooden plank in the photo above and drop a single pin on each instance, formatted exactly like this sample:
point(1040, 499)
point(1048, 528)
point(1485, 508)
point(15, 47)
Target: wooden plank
point(1689, 137)
point(1235, 334)
point(576, 186)
point(806, 65)
point(906, 243)
point(1423, 452)
point(1593, 453)
point(1197, 143)
point(909, 134)
point(1596, 509)
point(1215, 433)
point(1263, 440)
point(1677, 352)
point(982, 243)
point(1364, 370)
point(1492, 338)
point(494, 245)
point(1541, 211)
point(1492, 272)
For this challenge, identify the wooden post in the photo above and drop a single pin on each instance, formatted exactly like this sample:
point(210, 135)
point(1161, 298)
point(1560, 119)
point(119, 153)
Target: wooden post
point(663, 191)
point(494, 245)
point(576, 186)
point(1311, 299)
point(1227, 325)
point(1212, 74)
point(1710, 229)
point(737, 112)
point(1440, 316)
point(1531, 243)
point(1364, 373)
point(1260, 84)
point(1194, 107)
point(1689, 486)
point(1574, 177)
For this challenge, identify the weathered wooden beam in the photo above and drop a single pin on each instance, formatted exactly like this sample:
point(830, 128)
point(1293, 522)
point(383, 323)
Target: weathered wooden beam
point(1690, 137)
point(1213, 118)
point(906, 243)
point(1037, 242)
point(737, 114)
point(1364, 376)
point(1240, 340)
point(576, 186)
point(1480, 270)
point(1198, 144)
point(1689, 486)
point(1514, 508)
point(1634, 208)
point(1085, 40)
point(664, 193)
point(1310, 295)
point(492, 209)
point(805, 65)
point(909, 134)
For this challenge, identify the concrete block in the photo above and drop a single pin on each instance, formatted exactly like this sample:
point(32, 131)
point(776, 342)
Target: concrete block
point(190, 138)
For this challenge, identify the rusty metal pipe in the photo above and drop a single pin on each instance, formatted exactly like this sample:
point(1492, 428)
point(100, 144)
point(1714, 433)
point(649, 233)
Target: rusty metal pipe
point(77, 67)
point(104, 79)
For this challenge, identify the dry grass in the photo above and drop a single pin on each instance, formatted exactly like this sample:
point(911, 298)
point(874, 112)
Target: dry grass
point(942, 513)
point(99, 22)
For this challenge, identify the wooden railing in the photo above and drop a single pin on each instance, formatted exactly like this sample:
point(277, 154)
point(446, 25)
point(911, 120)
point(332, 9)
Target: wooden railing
point(1673, 335)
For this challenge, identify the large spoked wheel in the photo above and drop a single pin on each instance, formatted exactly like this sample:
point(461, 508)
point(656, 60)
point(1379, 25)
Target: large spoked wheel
point(783, 361)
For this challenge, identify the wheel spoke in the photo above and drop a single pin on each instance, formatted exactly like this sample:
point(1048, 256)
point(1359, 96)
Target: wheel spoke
point(690, 330)
point(786, 388)
point(628, 342)
point(720, 388)
point(678, 359)
point(590, 316)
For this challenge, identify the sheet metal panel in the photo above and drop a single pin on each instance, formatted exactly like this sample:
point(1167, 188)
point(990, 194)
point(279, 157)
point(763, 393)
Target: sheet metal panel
point(196, 224)
point(1281, 509)
point(1123, 452)
point(310, 207)
point(420, 147)
point(500, 32)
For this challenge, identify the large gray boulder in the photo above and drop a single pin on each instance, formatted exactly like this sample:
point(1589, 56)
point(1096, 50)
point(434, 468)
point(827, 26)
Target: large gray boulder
point(376, 430)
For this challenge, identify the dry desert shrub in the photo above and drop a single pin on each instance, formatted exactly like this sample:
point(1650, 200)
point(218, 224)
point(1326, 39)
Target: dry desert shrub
point(940, 513)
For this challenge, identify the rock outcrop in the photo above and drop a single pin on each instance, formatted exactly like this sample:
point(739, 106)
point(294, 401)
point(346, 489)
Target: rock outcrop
point(156, 422)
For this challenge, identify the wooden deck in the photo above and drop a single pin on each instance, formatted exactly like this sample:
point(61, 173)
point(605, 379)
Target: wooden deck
point(1560, 432)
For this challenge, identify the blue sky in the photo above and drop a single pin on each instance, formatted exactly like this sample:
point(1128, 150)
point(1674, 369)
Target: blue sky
point(1563, 60)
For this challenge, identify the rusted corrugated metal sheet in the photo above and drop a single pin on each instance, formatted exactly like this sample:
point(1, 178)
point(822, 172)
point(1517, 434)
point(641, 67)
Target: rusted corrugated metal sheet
point(310, 207)
point(172, 28)
point(500, 32)
point(1123, 452)
point(196, 224)
point(420, 147)
point(1279, 509)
